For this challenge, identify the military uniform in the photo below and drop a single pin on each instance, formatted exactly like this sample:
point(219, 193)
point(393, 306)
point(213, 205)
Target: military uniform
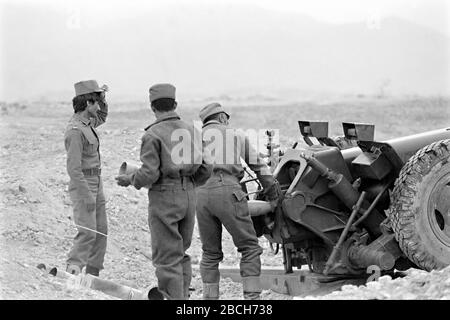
point(221, 201)
point(84, 168)
point(172, 201)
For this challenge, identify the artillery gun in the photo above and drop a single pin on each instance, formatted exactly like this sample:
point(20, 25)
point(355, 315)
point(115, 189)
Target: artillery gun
point(341, 211)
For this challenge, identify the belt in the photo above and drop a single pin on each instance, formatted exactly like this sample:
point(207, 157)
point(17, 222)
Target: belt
point(181, 183)
point(220, 177)
point(92, 172)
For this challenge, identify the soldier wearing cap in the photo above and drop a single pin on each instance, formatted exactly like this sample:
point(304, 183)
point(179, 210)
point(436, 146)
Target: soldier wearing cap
point(172, 201)
point(85, 187)
point(222, 201)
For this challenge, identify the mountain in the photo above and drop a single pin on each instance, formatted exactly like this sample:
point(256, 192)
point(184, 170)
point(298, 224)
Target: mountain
point(214, 50)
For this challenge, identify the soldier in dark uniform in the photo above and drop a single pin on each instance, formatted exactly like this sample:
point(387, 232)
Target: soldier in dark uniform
point(84, 169)
point(221, 201)
point(171, 183)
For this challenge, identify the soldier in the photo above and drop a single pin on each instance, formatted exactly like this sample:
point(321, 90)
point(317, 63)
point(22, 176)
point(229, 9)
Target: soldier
point(221, 201)
point(171, 183)
point(84, 169)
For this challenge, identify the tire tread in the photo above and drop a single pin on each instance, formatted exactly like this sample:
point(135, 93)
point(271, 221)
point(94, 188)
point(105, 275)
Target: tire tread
point(401, 211)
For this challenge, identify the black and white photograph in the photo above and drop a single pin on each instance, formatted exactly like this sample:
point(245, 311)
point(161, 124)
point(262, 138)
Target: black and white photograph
point(234, 150)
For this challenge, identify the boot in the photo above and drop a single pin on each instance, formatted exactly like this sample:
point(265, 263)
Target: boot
point(251, 287)
point(73, 269)
point(92, 270)
point(210, 291)
point(155, 294)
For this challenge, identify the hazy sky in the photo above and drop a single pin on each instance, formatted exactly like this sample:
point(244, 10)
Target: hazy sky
point(432, 13)
point(38, 43)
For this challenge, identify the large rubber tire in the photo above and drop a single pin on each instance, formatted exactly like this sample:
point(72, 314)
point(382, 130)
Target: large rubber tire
point(420, 204)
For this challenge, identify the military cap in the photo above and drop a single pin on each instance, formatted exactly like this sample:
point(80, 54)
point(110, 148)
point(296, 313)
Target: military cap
point(88, 86)
point(210, 109)
point(162, 90)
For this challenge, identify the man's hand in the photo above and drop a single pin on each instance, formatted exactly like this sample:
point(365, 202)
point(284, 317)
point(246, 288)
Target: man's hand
point(105, 89)
point(273, 204)
point(123, 180)
point(273, 192)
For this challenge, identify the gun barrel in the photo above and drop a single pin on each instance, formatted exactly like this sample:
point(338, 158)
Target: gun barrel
point(405, 147)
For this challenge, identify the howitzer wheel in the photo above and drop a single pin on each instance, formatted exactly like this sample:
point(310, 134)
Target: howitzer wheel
point(420, 207)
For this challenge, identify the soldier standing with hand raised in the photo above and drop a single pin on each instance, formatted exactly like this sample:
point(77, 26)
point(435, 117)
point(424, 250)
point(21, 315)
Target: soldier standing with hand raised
point(85, 187)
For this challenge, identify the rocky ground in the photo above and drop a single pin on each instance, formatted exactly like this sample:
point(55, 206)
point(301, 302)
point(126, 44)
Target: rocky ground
point(416, 285)
point(36, 216)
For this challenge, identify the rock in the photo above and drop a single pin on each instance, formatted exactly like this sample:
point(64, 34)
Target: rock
point(348, 287)
point(408, 296)
point(374, 285)
point(32, 286)
point(432, 290)
point(416, 273)
point(194, 260)
point(385, 279)
point(41, 266)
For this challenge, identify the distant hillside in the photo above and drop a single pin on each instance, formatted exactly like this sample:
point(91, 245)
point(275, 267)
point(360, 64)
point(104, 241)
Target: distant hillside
point(215, 50)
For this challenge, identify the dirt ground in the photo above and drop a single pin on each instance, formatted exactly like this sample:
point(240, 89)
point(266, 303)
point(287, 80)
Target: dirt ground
point(36, 215)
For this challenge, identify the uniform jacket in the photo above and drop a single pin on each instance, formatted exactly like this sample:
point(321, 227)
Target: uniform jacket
point(236, 146)
point(82, 146)
point(229, 160)
point(156, 154)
